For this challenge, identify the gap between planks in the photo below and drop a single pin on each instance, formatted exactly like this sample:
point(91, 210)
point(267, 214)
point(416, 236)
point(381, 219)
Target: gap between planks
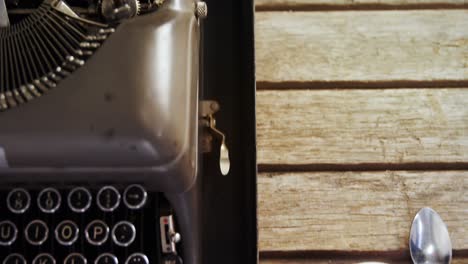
point(389, 255)
point(324, 167)
point(333, 256)
point(332, 260)
point(362, 7)
point(345, 85)
point(349, 5)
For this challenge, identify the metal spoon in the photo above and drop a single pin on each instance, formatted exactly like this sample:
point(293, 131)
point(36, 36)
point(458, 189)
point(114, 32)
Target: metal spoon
point(4, 21)
point(429, 239)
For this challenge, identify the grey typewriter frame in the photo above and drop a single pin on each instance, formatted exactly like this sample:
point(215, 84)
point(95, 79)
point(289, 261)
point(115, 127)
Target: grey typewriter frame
point(114, 135)
point(93, 125)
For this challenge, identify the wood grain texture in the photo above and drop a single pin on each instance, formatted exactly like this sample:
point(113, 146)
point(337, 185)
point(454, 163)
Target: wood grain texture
point(356, 211)
point(353, 3)
point(391, 126)
point(362, 46)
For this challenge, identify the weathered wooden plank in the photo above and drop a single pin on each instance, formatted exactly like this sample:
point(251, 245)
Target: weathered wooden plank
point(389, 126)
point(358, 211)
point(353, 3)
point(362, 46)
point(363, 260)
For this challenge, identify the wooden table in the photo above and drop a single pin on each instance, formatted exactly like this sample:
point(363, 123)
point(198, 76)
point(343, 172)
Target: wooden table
point(362, 121)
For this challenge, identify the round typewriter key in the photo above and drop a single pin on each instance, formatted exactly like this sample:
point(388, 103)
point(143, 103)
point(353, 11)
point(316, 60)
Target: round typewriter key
point(66, 233)
point(36, 232)
point(97, 232)
point(14, 259)
point(44, 258)
point(123, 233)
point(8, 233)
point(135, 196)
point(75, 258)
point(173, 259)
point(137, 258)
point(79, 200)
point(49, 200)
point(18, 200)
point(108, 199)
point(106, 258)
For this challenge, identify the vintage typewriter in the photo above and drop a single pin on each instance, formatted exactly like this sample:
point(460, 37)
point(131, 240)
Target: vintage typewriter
point(107, 145)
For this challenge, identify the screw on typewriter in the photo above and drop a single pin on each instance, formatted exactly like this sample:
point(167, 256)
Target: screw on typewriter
point(207, 110)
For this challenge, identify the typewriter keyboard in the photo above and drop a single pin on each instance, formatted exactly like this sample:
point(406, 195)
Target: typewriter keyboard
point(80, 225)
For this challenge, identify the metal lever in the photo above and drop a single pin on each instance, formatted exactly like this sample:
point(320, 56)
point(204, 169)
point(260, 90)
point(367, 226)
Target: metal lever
point(224, 162)
point(207, 111)
point(169, 237)
point(62, 7)
point(4, 21)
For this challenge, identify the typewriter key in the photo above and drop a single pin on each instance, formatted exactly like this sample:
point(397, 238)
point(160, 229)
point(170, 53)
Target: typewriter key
point(79, 200)
point(18, 200)
point(75, 258)
point(97, 232)
point(123, 233)
point(66, 233)
point(49, 200)
point(172, 259)
point(8, 233)
point(106, 258)
point(137, 258)
point(14, 259)
point(44, 258)
point(135, 196)
point(108, 199)
point(36, 232)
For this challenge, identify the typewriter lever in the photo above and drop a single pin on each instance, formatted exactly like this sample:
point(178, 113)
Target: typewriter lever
point(169, 239)
point(4, 21)
point(207, 110)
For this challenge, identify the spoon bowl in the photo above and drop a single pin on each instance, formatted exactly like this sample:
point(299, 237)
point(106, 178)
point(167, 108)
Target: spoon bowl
point(429, 239)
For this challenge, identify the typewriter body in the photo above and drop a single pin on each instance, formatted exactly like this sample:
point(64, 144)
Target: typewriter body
point(105, 138)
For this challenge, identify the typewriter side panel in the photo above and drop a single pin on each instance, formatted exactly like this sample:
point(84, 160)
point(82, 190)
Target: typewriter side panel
point(131, 111)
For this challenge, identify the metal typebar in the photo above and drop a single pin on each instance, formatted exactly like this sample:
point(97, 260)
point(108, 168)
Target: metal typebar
point(26, 11)
point(4, 21)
